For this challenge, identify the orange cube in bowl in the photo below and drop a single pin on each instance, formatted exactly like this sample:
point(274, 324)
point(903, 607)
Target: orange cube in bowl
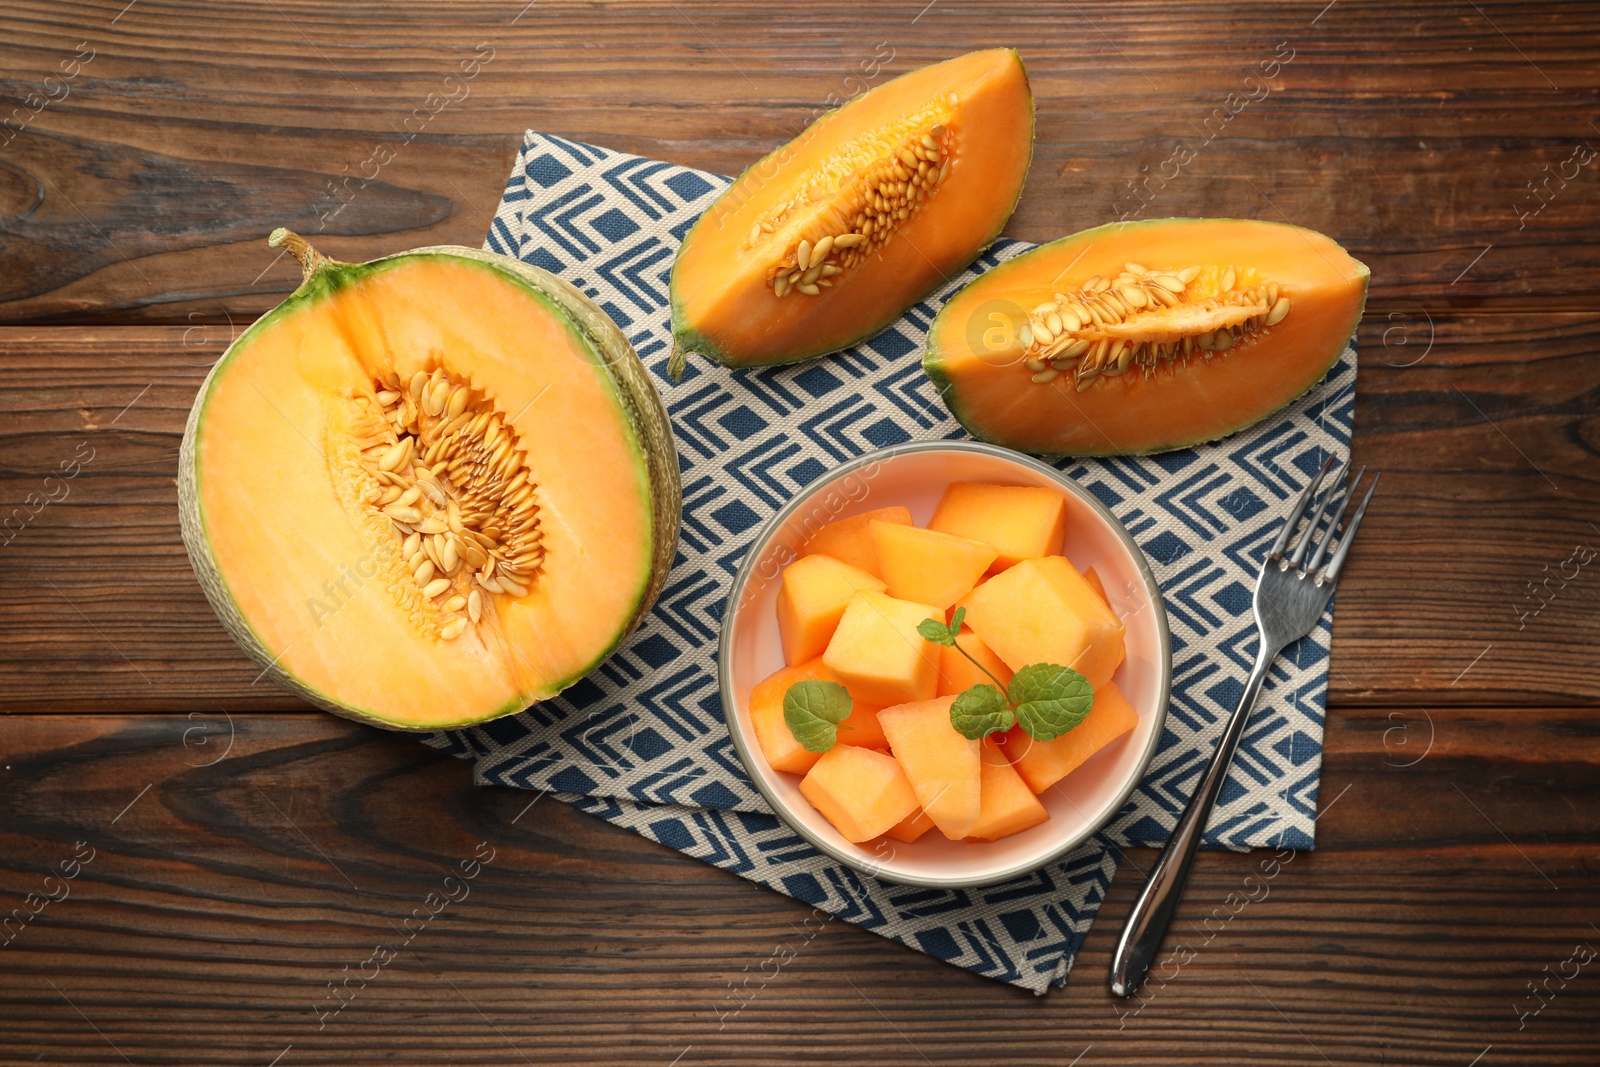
point(878, 654)
point(811, 598)
point(777, 743)
point(1044, 763)
point(1018, 521)
point(943, 766)
point(850, 540)
point(911, 827)
point(1044, 611)
point(957, 673)
point(1093, 578)
point(1008, 806)
point(927, 566)
point(862, 792)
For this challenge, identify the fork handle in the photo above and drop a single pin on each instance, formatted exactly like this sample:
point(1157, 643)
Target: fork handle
point(1152, 913)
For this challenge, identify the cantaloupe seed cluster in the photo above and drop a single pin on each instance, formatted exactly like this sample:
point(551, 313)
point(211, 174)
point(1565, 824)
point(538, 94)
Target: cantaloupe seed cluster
point(446, 471)
point(866, 208)
point(1142, 317)
point(849, 611)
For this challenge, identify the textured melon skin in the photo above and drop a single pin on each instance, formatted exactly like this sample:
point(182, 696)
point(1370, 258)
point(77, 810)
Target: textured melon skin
point(686, 339)
point(985, 429)
point(599, 335)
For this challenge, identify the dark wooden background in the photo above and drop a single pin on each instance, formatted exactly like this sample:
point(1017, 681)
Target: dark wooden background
point(247, 848)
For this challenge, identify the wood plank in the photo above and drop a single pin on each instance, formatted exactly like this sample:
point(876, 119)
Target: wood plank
point(1436, 607)
point(219, 904)
point(1436, 140)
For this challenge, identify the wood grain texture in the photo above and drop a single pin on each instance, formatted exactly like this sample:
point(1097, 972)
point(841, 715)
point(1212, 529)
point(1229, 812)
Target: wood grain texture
point(1409, 131)
point(1483, 426)
point(221, 902)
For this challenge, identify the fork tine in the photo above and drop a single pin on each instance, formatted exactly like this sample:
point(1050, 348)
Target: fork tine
point(1310, 535)
point(1293, 518)
point(1333, 523)
point(1350, 531)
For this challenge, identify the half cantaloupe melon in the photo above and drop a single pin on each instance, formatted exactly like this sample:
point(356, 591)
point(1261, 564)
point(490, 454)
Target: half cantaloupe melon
point(830, 238)
point(1146, 336)
point(429, 490)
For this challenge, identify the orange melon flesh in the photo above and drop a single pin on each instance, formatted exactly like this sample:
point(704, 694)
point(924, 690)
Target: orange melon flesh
point(723, 306)
point(1184, 401)
point(863, 793)
point(943, 766)
point(1044, 763)
point(1007, 806)
point(1019, 521)
point(911, 828)
point(1093, 578)
point(1044, 611)
point(811, 598)
point(926, 566)
point(276, 420)
point(877, 653)
point(850, 540)
point(777, 742)
point(957, 673)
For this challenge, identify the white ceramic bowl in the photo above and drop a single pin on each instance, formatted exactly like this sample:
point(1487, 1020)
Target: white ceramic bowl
point(916, 475)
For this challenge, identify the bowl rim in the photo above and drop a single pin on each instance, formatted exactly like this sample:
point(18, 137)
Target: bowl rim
point(725, 673)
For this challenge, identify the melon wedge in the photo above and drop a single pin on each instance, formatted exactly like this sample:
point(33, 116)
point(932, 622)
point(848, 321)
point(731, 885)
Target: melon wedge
point(830, 238)
point(943, 766)
point(359, 458)
point(811, 597)
point(863, 793)
point(1044, 763)
point(1044, 611)
point(1092, 576)
point(927, 566)
point(1008, 806)
point(850, 540)
point(1167, 333)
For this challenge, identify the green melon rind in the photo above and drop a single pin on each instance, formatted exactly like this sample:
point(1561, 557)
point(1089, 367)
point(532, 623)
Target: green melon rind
point(687, 340)
point(644, 415)
point(932, 357)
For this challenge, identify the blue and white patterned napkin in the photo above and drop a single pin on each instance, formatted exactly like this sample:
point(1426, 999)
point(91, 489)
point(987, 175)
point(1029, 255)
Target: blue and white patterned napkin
point(642, 741)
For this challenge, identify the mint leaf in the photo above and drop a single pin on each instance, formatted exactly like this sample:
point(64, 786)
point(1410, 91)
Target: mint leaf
point(813, 710)
point(955, 622)
point(936, 631)
point(1050, 699)
point(980, 711)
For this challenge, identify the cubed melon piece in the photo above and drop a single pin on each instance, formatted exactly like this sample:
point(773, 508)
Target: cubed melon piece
point(811, 598)
point(862, 792)
point(927, 566)
point(911, 827)
point(878, 654)
point(850, 540)
point(942, 765)
point(777, 743)
point(1008, 806)
point(1044, 611)
point(956, 672)
point(1093, 578)
point(1044, 763)
point(1018, 521)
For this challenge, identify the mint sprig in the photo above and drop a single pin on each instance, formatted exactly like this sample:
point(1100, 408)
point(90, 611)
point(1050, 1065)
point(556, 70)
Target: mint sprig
point(813, 710)
point(1045, 698)
point(1050, 700)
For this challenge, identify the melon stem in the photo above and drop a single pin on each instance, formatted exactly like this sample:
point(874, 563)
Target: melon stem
point(309, 258)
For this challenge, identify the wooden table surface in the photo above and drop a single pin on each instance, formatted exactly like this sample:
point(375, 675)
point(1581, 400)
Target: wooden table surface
point(237, 850)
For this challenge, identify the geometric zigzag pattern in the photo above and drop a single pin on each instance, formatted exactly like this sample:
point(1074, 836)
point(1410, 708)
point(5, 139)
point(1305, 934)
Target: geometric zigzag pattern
point(641, 742)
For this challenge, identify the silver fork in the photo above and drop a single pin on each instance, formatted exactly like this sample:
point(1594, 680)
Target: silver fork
point(1291, 593)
